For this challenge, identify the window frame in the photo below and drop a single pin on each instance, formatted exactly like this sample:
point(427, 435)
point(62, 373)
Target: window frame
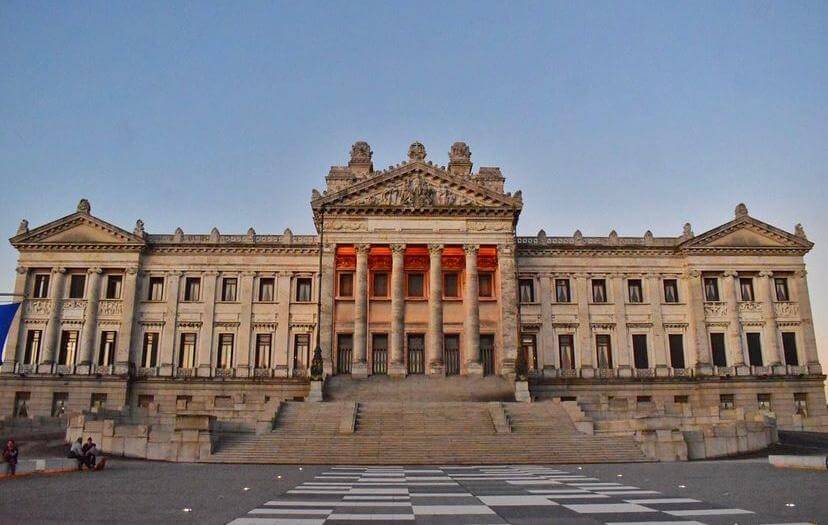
point(408, 276)
point(635, 284)
point(116, 280)
point(153, 280)
point(783, 281)
point(182, 344)
point(149, 349)
point(260, 346)
point(567, 288)
point(42, 291)
point(271, 283)
point(387, 276)
point(195, 282)
point(746, 283)
point(229, 284)
point(457, 292)
point(600, 339)
point(107, 348)
point(714, 281)
point(302, 283)
point(339, 287)
point(71, 291)
point(599, 284)
point(671, 283)
point(225, 345)
point(485, 275)
point(527, 283)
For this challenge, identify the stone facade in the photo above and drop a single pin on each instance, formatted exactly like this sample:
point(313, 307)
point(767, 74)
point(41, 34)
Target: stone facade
point(415, 269)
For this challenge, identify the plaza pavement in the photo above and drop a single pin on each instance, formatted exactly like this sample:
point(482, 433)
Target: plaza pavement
point(736, 491)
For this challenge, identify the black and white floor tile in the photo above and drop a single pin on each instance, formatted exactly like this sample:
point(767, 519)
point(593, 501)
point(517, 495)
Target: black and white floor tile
point(478, 495)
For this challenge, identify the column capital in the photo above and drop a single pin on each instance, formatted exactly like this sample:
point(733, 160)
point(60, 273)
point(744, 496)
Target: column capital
point(362, 248)
point(580, 275)
point(249, 273)
point(95, 270)
point(59, 269)
point(505, 250)
point(210, 273)
point(471, 249)
point(801, 273)
point(398, 248)
point(731, 273)
point(132, 270)
point(175, 273)
point(21, 269)
point(695, 274)
point(765, 273)
point(435, 249)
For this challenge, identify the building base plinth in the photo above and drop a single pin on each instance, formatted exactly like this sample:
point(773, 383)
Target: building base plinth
point(315, 394)
point(396, 370)
point(474, 369)
point(359, 370)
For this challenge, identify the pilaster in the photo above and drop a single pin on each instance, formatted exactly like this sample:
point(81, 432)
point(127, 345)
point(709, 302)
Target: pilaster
point(698, 326)
point(204, 361)
point(123, 355)
point(325, 323)
point(167, 350)
point(547, 335)
point(90, 323)
point(583, 347)
point(281, 345)
point(662, 367)
point(244, 348)
point(807, 322)
point(619, 299)
point(507, 268)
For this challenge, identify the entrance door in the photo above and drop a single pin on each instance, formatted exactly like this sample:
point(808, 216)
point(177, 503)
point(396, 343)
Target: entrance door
point(487, 354)
point(379, 345)
point(451, 348)
point(416, 354)
point(345, 347)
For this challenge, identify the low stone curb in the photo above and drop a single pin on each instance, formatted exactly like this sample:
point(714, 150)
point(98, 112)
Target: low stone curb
point(803, 462)
point(40, 466)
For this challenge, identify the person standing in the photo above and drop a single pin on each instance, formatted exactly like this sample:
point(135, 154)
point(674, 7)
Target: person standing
point(10, 454)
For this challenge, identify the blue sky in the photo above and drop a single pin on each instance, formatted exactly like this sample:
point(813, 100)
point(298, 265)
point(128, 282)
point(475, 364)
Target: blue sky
point(608, 115)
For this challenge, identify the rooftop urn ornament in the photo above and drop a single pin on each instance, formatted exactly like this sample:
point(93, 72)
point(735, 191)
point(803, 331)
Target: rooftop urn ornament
point(741, 210)
point(287, 236)
point(460, 152)
point(215, 236)
point(361, 152)
point(178, 236)
point(613, 238)
point(84, 207)
point(799, 231)
point(648, 237)
point(251, 234)
point(24, 227)
point(578, 237)
point(688, 231)
point(416, 152)
point(139, 228)
point(542, 236)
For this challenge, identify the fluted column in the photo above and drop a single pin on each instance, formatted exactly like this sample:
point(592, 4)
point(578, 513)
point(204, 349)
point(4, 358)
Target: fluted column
point(662, 366)
point(123, 354)
point(622, 346)
point(243, 346)
point(281, 346)
point(50, 339)
point(698, 326)
point(734, 325)
point(168, 339)
point(471, 323)
point(397, 365)
point(771, 329)
point(90, 323)
point(204, 361)
point(509, 304)
point(15, 345)
point(434, 351)
point(806, 321)
point(359, 368)
point(325, 323)
point(583, 347)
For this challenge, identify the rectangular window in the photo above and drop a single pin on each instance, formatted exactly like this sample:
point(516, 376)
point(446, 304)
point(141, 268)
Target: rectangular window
point(192, 289)
point(764, 401)
point(34, 339)
point(149, 356)
point(754, 343)
point(636, 293)
point(681, 399)
point(801, 404)
point(113, 286)
point(59, 401)
point(671, 294)
point(21, 404)
point(156, 289)
point(717, 347)
point(68, 347)
point(562, 293)
point(676, 342)
point(41, 286)
point(97, 401)
point(344, 351)
point(781, 284)
point(379, 354)
point(346, 284)
point(301, 350)
point(711, 289)
point(263, 345)
point(379, 284)
point(266, 289)
point(303, 289)
point(604, 348)
point(726, 401)
point(415, 285)
point(229, 287)
point(567, 351)
point(485, 283)
point(106, 355)
point(527, 290)
point(144, 400)
point(487, 353)
point(451, 286)
point(451, 357)
point(640, 351)
point(746, 288)
point(77, 285)
point(599, 291)
point(529, 348)
point(186, 354)
point(225, 351)
point(789, 348)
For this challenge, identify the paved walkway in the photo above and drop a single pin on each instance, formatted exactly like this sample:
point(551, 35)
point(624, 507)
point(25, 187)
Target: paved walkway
point(479, 495)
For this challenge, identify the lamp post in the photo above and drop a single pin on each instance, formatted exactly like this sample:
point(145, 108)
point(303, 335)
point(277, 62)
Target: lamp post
point(317, 369)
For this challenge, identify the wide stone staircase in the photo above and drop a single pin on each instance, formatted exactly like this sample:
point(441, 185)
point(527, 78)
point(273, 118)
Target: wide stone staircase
point(423, 432)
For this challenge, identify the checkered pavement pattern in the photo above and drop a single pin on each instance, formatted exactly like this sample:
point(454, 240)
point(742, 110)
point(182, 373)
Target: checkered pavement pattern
point(478, 495)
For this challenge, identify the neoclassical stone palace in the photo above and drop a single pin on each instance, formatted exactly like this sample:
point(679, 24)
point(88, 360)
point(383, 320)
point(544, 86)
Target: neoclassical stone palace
point(420, 271)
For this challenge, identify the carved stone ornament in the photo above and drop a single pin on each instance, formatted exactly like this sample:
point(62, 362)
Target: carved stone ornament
point(715, 309)
point(23, 228)
point(287, 236)
point(648, 237)
point(741, 210)
point(799, 231)
point(22, 270)
point(139, 228)
point(542, 236)
point(398, 249)
point(361, 152)
point(251, 234)
point(416, 152)
point(435, 249)
point(178, 236)
point(84, 207)
point(415, 192)
point(215, 236)
point(578, 237)
point(460, 152)
point(688, 231)
point(613, 238)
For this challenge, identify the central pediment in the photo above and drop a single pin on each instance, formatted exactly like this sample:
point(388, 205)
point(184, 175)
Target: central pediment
point(417, 187)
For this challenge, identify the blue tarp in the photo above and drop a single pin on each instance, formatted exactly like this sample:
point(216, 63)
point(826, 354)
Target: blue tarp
point(7, 312)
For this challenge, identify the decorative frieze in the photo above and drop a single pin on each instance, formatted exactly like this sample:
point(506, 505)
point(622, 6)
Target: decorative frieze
point(750, 307)
point(38, 307)
point(715, 309)
point(786, 309)
point(110, 308)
